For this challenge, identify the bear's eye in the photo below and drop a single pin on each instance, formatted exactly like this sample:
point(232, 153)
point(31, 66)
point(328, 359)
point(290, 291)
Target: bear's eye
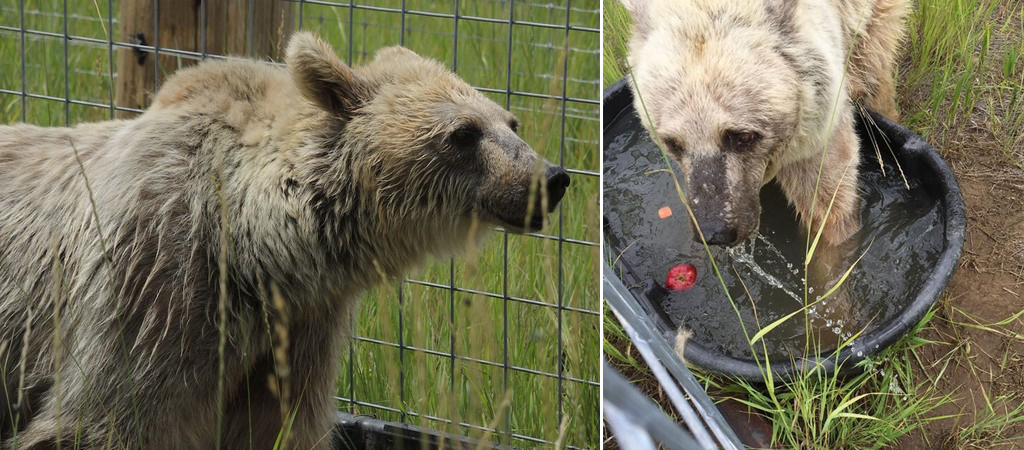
point(740, 140)
point(514, 125)
point(674, 147)
point(465, 135)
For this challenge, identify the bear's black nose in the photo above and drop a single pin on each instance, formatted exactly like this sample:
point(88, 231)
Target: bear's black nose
point(558, 180)
point(727, 236)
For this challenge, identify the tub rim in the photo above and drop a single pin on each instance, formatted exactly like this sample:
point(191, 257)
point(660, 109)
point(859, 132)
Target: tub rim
point(618, 98)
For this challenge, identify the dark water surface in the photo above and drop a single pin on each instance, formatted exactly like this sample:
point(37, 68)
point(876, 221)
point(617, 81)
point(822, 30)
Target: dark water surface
point(901, 238)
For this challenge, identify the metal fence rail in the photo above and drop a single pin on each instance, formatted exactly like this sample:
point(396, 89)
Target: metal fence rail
point(580, 108)
point(632, 413)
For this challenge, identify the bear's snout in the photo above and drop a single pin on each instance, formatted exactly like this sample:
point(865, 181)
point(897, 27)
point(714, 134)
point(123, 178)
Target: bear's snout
point(557, 181)
point(524, 206)
point(726, 236)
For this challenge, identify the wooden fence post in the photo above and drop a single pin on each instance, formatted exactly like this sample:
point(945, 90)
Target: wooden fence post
point(228, 32)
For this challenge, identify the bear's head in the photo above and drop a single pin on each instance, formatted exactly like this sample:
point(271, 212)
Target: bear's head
point(715, 82)
point(423, 146)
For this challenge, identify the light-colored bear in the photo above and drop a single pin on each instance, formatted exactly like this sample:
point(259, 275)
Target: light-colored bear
point(130, 249)
point(743, 92)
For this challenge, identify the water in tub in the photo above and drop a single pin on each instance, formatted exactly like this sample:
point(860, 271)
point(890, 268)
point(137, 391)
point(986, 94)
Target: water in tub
point(900, 239)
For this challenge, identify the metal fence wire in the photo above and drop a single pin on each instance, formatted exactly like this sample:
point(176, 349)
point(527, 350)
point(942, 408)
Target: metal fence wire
point(503, 345)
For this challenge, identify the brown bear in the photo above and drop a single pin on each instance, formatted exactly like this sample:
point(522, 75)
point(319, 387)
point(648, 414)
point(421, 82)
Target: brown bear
point(743, 92)
point(145, 262)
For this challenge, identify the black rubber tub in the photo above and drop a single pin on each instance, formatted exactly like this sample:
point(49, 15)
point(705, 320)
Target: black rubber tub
point(892, 311)
point(366, 433)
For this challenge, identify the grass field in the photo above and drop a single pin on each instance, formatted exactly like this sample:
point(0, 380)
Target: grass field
point(955, 381)
point(523, 364)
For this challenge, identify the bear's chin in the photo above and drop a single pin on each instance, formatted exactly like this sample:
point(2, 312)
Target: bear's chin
point(536, 223)
point(514, 226)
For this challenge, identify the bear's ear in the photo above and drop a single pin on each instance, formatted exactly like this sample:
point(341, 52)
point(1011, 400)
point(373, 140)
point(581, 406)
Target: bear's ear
point(395, 53)
point(640, 11)
point(321, 76)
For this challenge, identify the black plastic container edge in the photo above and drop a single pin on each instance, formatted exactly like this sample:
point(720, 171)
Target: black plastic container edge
point(617, 98)
point(353, 432)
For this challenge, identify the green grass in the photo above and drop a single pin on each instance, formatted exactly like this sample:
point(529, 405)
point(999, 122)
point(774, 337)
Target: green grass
point(430, 318)
point(963, 67)
point(869, 409)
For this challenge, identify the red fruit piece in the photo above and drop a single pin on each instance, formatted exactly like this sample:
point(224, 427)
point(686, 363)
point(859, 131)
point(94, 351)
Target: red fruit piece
point(681, 277)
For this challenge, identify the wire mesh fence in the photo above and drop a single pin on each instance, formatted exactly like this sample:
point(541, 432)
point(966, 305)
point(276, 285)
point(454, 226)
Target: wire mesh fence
point(501, 345)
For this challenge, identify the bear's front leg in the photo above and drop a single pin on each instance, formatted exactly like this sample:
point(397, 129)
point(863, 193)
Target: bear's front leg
point(837, 185)
point(306, 394)
point(120, 397)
